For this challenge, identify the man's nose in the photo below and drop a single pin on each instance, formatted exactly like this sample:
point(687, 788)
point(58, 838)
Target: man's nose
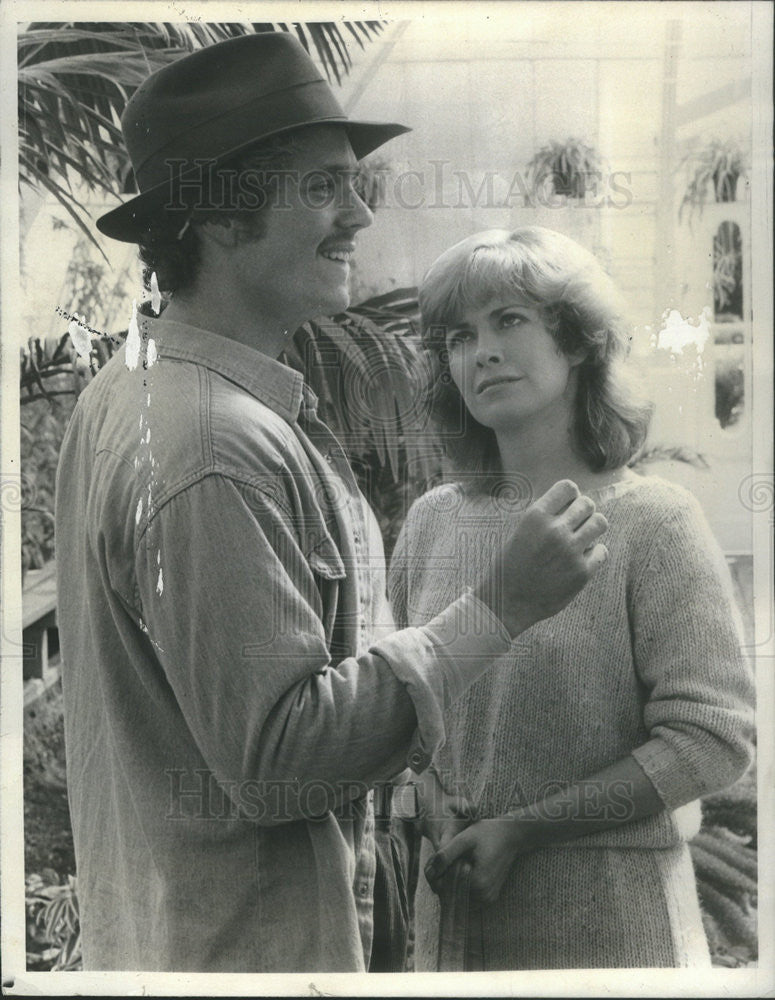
point(354, 213)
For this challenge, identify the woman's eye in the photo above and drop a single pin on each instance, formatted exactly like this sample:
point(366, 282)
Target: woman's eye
point(457, 337)
point(511, 319)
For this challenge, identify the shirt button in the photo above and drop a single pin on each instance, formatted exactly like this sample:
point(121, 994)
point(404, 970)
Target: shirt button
point(416, 759)
point(363, 889)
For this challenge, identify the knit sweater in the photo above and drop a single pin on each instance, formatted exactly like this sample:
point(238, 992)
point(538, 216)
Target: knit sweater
point(645, 660)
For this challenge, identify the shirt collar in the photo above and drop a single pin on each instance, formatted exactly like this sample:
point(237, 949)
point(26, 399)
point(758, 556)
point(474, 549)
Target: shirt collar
point(273, 383)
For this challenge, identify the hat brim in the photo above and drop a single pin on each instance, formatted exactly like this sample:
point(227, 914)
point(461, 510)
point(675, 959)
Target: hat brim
point(130, 222)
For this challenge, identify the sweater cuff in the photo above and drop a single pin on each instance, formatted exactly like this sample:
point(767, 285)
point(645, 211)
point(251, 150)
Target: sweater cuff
point(665, 772)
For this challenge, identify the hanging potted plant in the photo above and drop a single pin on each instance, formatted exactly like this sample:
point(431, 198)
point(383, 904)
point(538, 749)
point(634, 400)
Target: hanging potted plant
point(717, 168)
point(568, 165)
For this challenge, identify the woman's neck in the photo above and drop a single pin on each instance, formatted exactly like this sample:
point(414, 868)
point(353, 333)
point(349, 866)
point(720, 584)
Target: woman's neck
point(543, 455)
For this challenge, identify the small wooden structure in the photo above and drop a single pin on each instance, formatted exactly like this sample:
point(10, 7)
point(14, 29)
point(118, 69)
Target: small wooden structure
point(39, 616)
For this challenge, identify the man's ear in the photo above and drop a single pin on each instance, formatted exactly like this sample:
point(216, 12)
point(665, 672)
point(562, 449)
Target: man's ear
point(221, 230)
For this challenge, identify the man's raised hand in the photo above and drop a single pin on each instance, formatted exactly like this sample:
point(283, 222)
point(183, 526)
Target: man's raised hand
point(549, 558)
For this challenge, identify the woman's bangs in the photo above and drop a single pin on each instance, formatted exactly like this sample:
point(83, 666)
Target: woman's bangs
point(488, 272)
point(493, 272)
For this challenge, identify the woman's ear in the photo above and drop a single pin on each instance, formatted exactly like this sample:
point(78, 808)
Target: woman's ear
point(575, 359)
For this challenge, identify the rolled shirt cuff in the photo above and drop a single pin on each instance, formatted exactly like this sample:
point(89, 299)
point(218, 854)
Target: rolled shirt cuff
point(468, 636)
point(439, 661)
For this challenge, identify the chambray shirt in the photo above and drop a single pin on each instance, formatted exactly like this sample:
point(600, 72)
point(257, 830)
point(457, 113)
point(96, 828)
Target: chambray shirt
point(228, 699)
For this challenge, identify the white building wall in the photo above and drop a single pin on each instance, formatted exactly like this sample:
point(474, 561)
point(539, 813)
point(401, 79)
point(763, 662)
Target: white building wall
point(485, 95)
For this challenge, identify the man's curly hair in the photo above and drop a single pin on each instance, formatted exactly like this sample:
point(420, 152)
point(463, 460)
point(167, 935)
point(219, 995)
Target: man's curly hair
point(170, 248)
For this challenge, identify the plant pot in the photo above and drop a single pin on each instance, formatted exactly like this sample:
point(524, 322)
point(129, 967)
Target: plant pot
point(572, 185)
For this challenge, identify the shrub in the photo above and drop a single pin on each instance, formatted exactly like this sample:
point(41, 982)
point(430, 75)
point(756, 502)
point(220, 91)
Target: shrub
point(53, 928)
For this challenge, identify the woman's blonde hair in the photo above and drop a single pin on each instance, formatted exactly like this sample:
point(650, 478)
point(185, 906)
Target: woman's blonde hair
point(580, 308)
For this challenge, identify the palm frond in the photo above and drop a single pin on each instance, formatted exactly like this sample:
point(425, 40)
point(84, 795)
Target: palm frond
point(354, 33)
point(396, 311)
point(335, 37)
point(367, 371)
point(325, 55)
point(74, 81)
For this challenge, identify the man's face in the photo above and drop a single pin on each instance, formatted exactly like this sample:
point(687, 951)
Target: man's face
point(299, 267)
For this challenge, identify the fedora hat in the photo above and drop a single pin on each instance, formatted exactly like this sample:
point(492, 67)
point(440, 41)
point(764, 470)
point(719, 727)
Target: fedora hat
point(213, 103)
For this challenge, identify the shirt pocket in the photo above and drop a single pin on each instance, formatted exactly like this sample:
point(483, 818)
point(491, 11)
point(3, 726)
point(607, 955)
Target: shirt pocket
point(328, 570)
point(323, 555)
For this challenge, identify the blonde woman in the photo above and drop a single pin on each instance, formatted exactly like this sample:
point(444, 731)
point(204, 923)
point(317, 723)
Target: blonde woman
point(585, 753)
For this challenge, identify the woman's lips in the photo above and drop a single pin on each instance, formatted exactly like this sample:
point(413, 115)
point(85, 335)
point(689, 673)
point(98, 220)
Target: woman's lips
point(488, 383)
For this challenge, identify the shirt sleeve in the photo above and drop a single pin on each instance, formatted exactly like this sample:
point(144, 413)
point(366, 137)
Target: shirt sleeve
point(686, 634)
point(233, 607)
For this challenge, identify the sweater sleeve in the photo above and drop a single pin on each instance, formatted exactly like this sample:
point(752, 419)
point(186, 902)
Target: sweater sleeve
point(397, 581)
point(686, 637)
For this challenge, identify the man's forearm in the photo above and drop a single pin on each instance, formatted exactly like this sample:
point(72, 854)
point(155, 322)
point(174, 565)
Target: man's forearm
point(346, 728)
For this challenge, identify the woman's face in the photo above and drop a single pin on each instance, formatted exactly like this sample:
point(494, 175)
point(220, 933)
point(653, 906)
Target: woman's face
point(507, 367)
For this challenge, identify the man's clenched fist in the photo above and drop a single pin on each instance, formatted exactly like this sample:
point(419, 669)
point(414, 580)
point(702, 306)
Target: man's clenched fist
point(548, 559)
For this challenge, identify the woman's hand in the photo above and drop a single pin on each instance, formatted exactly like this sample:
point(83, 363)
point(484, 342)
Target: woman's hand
point(441, 815)
point(441, 829)
point(618, 794)
point(491, 845)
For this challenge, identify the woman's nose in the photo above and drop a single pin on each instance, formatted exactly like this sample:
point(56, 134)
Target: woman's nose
point(488, 352)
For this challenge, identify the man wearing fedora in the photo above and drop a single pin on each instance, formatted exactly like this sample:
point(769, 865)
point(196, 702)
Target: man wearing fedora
point(229, 700)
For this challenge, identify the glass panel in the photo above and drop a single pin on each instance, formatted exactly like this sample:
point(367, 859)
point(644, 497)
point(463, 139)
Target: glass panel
point(730, 381)
point(729, 335)
point(727, 273)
